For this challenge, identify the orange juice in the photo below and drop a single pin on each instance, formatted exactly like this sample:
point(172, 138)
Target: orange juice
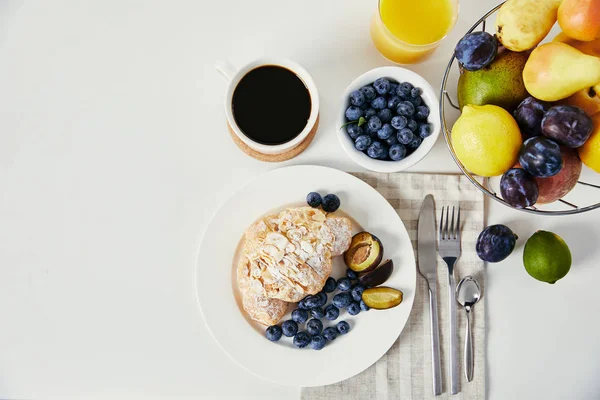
point(406, 31)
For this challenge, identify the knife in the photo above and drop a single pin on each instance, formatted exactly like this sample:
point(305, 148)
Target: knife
point(427, 261)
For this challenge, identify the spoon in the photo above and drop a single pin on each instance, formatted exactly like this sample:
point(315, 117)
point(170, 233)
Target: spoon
point(468, 294)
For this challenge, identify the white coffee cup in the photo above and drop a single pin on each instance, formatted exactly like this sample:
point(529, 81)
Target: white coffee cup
point(233, 76)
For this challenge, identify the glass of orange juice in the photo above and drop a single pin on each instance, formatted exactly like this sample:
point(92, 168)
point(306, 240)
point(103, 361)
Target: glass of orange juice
point(407, 31)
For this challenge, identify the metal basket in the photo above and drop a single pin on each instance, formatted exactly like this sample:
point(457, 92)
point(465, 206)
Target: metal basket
point(573, 203)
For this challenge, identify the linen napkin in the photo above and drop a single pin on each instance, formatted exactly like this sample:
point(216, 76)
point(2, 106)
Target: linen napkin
point(404, 372)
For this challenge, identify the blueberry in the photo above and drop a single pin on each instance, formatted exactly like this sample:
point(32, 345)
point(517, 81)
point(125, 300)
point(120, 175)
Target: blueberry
point(382, 85)
point(362, 142)
point(357, 291)
point(416, 101)
point(302, 304)
point(314, 326)
point(318, 342)
point(314, 199)
point(386, 152)
point(322, 297)
point(317, 313)
point(405, 136)
point(495, 243)
point(364, 306)
point(354, 130)
point(399, 122)
point(331, 312)
point(397, 152)
point(393, 88)
point(424, 130)
point(331, 203)
point(422, 112)
point(376, 150)
point(330, 285)
point(373, 135)
point(344, 284)
point(300, 316)
point(379, 103)
point(412, 125)
point(368, 92)
point(416, 92)
point(341, 300)
point(370, 112)
point(274, 333)
point(385, 115)
point(405, 108)
point(393, 102)
point(353, 113)
point(330, 333)
point(343, 327)
point(311, 301)
point(351, 274)
point(289, 328)
point(302, 339)
point(385, 132)
point(415, 142)
point(357, 98)
point(476, 50)
point(404, 90)
point(392, 140)
point(374, 124)
point(353, 308)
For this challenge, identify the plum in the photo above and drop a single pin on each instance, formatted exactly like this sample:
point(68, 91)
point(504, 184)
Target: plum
point(518, 188)
point(377, 276)
point(567, 125)
point(529, 115)
point(476, 50)
point(541, 157)
point(365, 252)
point(557, 186)
point(382, 298)
point(495, 243)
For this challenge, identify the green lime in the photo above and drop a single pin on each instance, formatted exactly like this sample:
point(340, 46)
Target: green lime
point(546, 257)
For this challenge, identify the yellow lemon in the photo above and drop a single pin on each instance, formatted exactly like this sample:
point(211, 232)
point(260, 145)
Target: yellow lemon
point(486, 139)
point(590, 151)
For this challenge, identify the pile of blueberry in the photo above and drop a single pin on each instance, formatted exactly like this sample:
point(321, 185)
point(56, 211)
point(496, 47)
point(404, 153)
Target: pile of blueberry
point(349, 296)
point(387, 120)
point(330, 202)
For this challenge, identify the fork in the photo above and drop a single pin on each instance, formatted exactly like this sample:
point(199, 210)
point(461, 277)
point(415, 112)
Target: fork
point(449, 250)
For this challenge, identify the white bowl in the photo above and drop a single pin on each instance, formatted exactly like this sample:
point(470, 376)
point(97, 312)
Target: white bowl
point(430, 99)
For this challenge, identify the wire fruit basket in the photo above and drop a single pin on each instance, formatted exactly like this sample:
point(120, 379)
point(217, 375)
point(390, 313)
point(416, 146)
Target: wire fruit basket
point(585, 196)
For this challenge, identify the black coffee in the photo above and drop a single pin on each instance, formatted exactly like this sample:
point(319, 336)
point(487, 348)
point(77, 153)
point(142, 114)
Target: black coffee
point(271, 105)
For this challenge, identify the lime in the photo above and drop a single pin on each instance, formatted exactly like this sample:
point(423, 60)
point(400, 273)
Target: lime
point(546, 257)
point(486, 139)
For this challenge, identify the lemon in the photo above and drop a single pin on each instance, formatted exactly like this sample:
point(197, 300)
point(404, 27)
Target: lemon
point(486, 139)
point(590, 151)
point(546, 257)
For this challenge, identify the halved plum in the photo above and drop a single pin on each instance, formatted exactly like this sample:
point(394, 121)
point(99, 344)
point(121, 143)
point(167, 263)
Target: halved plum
point(377, 276)
point(365, 252)
point(382, 298)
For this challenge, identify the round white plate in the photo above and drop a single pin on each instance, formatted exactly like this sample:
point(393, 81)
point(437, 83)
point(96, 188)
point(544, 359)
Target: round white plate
point(372, 333)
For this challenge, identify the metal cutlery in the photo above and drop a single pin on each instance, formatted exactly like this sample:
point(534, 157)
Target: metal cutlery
point(449, 249)
point(427, 260)
point(468, 294)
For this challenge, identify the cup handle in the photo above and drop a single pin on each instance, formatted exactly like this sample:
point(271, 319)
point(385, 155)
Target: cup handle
point(226, 69)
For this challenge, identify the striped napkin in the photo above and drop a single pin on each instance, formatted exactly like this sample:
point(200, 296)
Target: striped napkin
point(405, 371)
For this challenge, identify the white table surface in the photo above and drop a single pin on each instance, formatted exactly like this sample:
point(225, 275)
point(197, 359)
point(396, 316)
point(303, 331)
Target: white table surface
point(114, 155)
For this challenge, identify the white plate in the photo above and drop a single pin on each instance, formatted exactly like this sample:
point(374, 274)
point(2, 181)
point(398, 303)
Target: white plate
point(372, 333)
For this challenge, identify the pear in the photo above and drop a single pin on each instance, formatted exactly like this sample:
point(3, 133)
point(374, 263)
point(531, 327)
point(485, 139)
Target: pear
point(556, 70)
point(522, 24)
point(500, 84)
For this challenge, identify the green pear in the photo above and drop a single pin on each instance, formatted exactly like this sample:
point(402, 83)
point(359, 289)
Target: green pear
point(500, 84)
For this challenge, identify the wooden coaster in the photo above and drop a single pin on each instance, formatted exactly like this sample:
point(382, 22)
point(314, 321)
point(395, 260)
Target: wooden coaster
point(289, 154)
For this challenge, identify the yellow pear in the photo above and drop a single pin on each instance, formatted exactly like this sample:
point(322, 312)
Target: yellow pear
point(522, 24)
point(556, 70)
